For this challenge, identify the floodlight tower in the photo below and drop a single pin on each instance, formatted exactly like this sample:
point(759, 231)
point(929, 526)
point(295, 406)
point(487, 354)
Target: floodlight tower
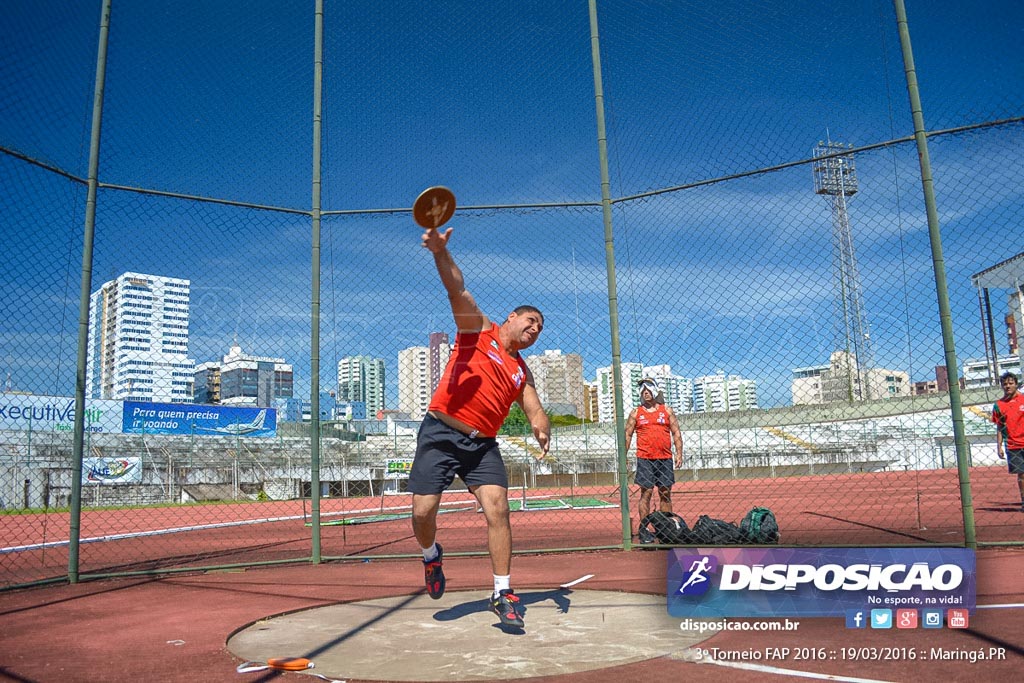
point(835, 177)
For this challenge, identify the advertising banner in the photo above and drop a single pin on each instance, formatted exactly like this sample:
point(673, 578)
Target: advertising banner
point(399, 468)
point(57, 413)
point(111, 470)
point(818, 582)
point(200, 420)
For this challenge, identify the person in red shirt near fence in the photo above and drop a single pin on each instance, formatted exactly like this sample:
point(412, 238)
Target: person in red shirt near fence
point(654, 423)
point(1008, 416)
point(484, 376)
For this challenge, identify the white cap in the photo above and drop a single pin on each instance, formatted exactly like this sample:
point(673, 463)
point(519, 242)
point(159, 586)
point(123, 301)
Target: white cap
point(651, 385)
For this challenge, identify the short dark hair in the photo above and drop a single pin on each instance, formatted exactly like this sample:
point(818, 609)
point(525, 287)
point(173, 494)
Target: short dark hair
point(519, 310)
point(1008, 375)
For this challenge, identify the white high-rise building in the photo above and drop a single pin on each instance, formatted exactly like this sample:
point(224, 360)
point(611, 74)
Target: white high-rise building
point(419, 370)
point(361, 378)
point(414, 381)
point(630, 374)
point(723, 393)
point(440, 350)
point(678, 393)
point(559, 381)
point(138, 340)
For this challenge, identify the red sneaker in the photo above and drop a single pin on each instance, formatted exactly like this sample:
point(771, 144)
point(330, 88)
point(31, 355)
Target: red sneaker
point(508, 608)
point(434, 575)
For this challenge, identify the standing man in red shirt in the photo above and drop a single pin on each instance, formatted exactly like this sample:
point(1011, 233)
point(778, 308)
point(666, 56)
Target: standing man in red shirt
point(654, 423)
point(1008, 415)
point(484, 376)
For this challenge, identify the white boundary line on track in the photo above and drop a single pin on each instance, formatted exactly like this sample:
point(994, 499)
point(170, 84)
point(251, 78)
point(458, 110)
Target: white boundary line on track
point(221, 525)
point(199, 527)
point(790, 672)
point(137, 534)
point(579, 580)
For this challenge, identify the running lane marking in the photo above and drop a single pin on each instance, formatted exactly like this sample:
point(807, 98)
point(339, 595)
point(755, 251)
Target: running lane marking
point(579, 580)
point(789, 672)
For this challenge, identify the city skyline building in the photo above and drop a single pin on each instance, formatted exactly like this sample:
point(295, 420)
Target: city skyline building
point(841, 380)
point(977, 373)
point(361, 378)
point(933, 386)
point(590, 402)
point(414, 381)
point(240, 379)
point(630, 374)
point(883, 384)
point(138, 340)
point(419, 371)
point(558, 379)
point(720, 393)
point(805, 387)
point(440, 350)
point(678, 393)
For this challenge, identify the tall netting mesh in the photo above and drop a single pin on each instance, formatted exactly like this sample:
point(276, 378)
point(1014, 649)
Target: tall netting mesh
point(775, 262)
point(766, 254)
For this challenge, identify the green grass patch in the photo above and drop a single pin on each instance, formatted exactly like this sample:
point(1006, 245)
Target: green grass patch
point(544, 504)
point(579, 502)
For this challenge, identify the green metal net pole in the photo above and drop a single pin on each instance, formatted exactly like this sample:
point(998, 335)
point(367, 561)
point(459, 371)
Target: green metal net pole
point(83, 306)
point(609, 250)
point(938, 265)
point(314, 335)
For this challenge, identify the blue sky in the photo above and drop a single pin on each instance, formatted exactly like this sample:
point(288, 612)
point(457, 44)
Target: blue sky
point(496, 100)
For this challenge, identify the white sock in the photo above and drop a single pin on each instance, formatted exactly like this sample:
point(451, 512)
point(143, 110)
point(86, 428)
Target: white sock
point(430, 554)
point(501, 583)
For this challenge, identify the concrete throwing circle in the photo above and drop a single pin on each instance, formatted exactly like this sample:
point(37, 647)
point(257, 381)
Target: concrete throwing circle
point(456, 638)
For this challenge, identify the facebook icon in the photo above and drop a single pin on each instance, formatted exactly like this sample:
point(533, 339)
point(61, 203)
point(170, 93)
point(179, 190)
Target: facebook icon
point(856, 618)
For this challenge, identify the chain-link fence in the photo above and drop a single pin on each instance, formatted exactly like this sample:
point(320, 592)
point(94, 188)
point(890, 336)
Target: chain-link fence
point(766, 255)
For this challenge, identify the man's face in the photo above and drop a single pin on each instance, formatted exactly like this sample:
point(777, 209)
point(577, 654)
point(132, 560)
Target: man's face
point(527, 327)
point(647, 394)
point(1009, 386)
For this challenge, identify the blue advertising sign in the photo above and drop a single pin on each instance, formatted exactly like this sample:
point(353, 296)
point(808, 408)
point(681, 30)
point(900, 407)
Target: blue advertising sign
point(201, 420)
point(817, 582)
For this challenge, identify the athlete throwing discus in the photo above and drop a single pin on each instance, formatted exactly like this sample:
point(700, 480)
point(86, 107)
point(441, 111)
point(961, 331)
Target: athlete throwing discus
point(484, 376)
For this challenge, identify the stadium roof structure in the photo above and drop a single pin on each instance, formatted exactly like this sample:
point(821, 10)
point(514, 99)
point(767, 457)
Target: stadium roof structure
point(1008, 274)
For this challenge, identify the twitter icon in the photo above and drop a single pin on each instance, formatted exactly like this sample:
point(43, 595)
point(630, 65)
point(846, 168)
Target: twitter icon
point(881, 618)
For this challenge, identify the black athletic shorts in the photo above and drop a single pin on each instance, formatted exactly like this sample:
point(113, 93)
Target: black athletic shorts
point(651, 473)
point(1015, 460)
point(443, 452)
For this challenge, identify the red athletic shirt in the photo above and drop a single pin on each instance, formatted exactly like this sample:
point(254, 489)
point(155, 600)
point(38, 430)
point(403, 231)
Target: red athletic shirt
point(1008, 415)
point(480, 382)
point(653, 441)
